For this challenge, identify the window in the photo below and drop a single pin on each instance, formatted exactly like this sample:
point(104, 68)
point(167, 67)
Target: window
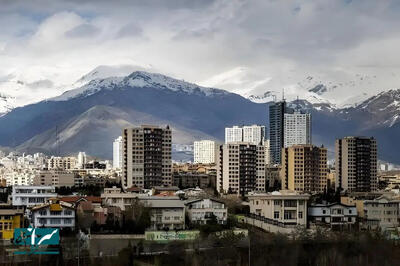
point(43, 212)
point(55, 213)
point(324, 211)
point(290, 203)
point(300, 215)
point(67, 212)
point(55, 221)
point(67, 221)
point(276, 215)
point(289, 215)
point(277, 202)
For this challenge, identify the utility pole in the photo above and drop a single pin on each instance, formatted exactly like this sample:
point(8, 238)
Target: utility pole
point(249, 251)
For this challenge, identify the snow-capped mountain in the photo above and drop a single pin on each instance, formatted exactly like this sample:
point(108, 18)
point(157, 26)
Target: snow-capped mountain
point(6, 103)
point(383, 108)
point(138, 79)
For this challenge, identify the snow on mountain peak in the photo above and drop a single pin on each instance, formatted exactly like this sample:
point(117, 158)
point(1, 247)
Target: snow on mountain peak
point(139, 79)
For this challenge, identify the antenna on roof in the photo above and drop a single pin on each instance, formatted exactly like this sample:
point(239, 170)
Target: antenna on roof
point(283, 94)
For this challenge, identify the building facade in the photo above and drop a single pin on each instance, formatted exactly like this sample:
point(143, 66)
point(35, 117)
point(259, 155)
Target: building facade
point(304, 168)
point(10, 219)
point(117, 153)
point(356, 164)
point(285, 208)
point(253, 134)
point(204, 151)
point(166, 213)
point(61, 163)
point(54, 214)
point(147, 158)
point(57, 178)
point(334, 215)
point(276, 130)
point(29, 196)
point(240, 168)
point(381, 212)
point(201, 211)
point(297, 128)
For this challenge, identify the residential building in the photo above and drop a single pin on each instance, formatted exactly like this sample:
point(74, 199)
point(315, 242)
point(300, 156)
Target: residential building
point(204, 151)
point(191, 180)
point(253, 134)
point(166, 213)
point(233, 134)
point(276, 130)
point(81, 160)
point(297, 128)
point(282, 208)
point(61, 163)
point(334, 215)
point(240, 168)
point(273, 176)
point(355, 164)
point(10, 219)
point(117, 153)
point(304, 168)
point(381, 212)
point(115, 197)
point(147, 157)
point(29, 196)
point(201, 211)
point(55, 213)
point(57, 178)
point(267, 152)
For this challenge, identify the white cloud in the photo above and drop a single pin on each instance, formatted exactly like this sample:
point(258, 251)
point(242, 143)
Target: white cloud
point(243, 46)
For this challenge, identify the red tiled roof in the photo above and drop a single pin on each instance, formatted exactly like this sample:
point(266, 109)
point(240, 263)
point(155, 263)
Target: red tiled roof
point(74, 199)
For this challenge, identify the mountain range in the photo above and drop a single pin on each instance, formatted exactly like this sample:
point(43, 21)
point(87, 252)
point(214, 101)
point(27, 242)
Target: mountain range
point(93, 113)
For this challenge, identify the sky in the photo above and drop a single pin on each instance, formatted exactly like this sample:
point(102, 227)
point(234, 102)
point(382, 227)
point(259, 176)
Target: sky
point(248, 47)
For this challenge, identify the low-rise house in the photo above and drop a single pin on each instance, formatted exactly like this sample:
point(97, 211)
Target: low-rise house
point(29, 196)
point(282, 208)
point(167, 213)
point(201, 211)
point(381, 212)
point(334, 215)
point(55, 213)
point(10, 219)
point(115, 197)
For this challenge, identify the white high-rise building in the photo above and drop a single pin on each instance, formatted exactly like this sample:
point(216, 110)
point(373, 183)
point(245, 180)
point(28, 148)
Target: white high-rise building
point(253, 134)
point(81, 160)
point(233, 134)
point(297, 128)
point(117, 153)
point(267, 151)
point(204, 151)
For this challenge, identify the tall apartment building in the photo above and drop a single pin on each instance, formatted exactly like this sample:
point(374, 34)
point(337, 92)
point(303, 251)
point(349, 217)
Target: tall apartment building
point(304, 168)
point(240, 168)
point(81, 160)
point(146, 157)
point(117, 153)
point(61, 163)
point(253, 134)
point(276, 128)
point(355, 164)
point(287, 127)
point(204, 151)
point(297, 128)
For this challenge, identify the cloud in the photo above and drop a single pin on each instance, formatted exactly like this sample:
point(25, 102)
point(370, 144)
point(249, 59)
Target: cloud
point(203, 41)
point(83, 31)
point(130, 31)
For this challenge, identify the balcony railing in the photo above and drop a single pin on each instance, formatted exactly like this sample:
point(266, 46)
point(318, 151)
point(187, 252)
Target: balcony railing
point(271, 221)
